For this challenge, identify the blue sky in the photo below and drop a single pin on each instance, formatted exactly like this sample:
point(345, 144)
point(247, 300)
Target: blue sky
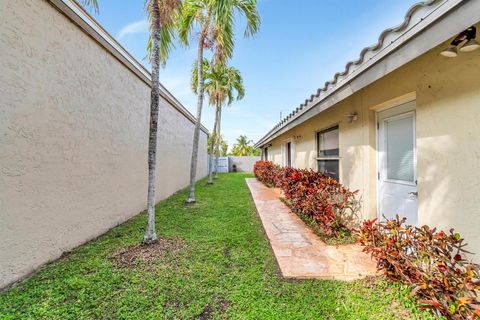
point(301, 44)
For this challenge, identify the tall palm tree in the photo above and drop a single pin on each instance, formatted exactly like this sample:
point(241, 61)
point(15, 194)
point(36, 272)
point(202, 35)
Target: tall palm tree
point(223, 146)
point(161, 15)
point(223, 84)
point(207, 75)
point(215, 20)
point(211, 145)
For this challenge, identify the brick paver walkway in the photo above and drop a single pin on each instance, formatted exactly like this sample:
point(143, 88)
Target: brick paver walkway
point(300, 253)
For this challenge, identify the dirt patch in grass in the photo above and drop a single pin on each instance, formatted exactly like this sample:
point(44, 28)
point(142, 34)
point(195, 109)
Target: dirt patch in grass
point(141, 253)
point(219, 306)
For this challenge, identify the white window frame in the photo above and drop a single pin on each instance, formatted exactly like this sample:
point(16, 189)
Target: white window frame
point(338, 158)
point(382, 158)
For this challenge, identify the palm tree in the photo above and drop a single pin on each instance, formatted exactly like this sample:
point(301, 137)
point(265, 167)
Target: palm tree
point(161, 15)
point(243, 147)
point(215, 19)
point(207, 75)
point(233, 85)
point(223, 146)
point(222, 84)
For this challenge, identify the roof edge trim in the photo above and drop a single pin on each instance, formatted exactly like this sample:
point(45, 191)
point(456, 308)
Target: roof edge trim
point(369, 56)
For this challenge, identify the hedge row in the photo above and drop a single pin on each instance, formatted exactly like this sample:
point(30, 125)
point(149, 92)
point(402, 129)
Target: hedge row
point(432, 262)
point(314, 195)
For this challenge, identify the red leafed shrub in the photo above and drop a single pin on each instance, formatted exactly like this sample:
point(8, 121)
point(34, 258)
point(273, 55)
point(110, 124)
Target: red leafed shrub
point(432, 262)
point(314, 195)
point(266, 172)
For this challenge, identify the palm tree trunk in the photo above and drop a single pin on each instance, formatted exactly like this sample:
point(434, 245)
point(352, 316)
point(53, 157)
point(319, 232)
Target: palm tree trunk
point(212, 146)
point(196, 133)
point(150, 234)
point(219, 139)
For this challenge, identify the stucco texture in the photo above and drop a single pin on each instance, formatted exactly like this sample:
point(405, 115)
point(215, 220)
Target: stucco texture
point(73, 139)
point(447, 129)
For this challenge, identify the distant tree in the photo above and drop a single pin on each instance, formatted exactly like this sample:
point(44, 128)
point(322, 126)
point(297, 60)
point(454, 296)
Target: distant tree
point(256, 152)
point(244, 147)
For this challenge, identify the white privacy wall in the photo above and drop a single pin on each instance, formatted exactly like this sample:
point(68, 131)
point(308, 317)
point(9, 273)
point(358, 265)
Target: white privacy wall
point(243, 164)
point(73, 138)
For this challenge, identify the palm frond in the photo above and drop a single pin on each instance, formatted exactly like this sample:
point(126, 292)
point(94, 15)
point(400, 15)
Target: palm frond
point(206, 75)
point(222, 83)
point(249, 9)
point(90, 4)
point(224, 25)
point(224, 22)
point(168, 13)
point(190, 14)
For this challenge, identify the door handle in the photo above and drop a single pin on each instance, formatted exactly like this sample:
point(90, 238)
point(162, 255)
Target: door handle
point(414, 193)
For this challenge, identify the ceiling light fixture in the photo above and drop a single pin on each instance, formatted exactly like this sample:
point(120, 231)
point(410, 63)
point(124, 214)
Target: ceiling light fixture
point(450, 52)
point(470, 44)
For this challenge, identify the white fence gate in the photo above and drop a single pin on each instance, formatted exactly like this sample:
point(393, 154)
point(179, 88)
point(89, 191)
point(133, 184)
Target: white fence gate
point(222, 164)
point(235, 164)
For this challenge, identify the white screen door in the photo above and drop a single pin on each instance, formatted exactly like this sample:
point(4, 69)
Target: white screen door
point(397, 163)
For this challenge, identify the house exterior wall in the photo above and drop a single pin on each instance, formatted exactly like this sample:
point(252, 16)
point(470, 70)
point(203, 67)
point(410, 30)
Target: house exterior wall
point(447, 130)
point(73, 139)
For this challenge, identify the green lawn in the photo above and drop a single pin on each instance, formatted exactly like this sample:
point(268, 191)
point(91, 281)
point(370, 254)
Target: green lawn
point(224, 270)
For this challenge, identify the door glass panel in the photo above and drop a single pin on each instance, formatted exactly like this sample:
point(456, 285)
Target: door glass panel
point(400, 149)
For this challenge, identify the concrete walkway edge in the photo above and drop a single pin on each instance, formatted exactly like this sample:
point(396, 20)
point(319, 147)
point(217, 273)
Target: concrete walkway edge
point(300, 253)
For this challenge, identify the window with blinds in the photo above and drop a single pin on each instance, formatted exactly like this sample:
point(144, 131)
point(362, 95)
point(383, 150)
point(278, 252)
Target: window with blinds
point(328, 159)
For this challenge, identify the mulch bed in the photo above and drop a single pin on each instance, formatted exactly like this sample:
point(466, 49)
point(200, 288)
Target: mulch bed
point(141, 253)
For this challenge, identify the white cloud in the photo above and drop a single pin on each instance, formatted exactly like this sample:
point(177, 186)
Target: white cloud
point(134, 27)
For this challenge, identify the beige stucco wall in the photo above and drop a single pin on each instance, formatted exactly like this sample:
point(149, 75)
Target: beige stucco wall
point(73, 139)
point(448, 144)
